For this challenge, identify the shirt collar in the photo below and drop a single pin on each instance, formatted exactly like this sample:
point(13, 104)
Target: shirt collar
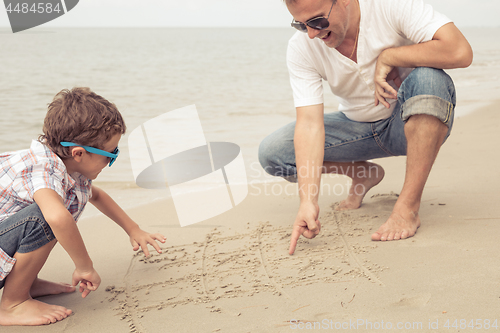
point(74, 178)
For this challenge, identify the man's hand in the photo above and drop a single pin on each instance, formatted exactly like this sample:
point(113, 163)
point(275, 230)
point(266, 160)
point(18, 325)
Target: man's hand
point(140, 239)
point(306, 224)
point(383, 74)
point(89, 280)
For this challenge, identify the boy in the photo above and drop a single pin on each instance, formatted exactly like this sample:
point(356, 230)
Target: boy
point(44, 190)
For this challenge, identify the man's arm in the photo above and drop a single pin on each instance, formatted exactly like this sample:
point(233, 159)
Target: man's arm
point(309, 141)
point(448, 49)
point(67, 234)
point(138, 237)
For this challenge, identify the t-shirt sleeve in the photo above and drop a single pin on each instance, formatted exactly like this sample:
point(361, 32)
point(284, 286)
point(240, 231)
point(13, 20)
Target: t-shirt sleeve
point(47, 174)
point(306, 82)
point(416, 20)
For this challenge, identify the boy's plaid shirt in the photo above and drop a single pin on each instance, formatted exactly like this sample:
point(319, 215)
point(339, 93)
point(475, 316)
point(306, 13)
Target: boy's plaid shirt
point(24, 172)
point(6, 264)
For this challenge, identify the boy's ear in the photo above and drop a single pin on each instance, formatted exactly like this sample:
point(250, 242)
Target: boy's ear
point(77, 153)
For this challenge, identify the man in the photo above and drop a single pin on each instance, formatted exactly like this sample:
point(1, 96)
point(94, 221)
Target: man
point(366, 50)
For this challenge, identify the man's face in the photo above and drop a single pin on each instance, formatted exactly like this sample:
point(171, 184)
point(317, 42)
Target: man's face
point(333, 36)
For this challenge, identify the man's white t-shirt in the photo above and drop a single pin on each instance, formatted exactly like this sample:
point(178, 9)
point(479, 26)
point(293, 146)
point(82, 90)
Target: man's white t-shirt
point(384, 24)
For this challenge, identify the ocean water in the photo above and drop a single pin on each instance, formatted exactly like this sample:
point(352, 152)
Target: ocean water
point(236, 77)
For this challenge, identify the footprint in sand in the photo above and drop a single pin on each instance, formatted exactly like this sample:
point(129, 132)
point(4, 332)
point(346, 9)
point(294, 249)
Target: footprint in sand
point(414, 301)
point(384, 201)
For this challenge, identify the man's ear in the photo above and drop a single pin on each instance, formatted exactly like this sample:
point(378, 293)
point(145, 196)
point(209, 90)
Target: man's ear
point(77, 153)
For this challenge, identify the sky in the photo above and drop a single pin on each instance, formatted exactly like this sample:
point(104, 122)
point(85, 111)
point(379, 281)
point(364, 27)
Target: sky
point(230, 13)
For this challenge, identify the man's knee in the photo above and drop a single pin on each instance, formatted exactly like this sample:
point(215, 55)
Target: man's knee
point(267, 157)
point(428, 91)
point(427, 81)
point(275, 156)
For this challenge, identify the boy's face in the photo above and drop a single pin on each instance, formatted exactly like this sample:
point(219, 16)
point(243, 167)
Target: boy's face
point(92, 164)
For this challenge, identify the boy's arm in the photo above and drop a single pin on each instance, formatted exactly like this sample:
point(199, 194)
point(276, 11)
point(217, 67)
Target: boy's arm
point(67, 234)
point(138, 237)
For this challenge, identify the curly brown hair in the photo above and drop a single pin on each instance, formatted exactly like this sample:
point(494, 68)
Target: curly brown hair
point(81, 116)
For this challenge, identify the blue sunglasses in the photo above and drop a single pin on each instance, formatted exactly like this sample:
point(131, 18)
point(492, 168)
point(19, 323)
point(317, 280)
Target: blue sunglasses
point(93, 150)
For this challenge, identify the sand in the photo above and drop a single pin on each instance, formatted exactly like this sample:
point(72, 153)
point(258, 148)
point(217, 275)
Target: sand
point(232, 273)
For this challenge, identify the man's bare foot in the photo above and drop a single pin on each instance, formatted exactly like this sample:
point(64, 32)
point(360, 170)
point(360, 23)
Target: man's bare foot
point(43, 288)
point(362, 182)
point(398, 226)
point(32, 313)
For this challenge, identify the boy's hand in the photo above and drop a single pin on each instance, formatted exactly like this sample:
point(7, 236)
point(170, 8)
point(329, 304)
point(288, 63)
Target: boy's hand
point(140, 239)
point(88, 280)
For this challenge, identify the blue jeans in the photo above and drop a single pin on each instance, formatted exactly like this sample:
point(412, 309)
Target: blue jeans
point(24, 232)
point(427, 91)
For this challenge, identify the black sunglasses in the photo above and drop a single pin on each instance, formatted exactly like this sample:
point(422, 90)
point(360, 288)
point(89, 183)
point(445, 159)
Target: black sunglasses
point(318, 23)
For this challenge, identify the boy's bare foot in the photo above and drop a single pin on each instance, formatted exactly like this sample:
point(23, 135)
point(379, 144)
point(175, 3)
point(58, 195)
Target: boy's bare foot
point(32, 313)
point(361, 185)
point(43, 288)
point(400, 225)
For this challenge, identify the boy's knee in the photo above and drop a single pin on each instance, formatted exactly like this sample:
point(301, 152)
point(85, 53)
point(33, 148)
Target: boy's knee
point(36, 232)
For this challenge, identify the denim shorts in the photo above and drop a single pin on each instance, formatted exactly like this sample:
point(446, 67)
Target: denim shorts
point(425, 91)
point(24, 232)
